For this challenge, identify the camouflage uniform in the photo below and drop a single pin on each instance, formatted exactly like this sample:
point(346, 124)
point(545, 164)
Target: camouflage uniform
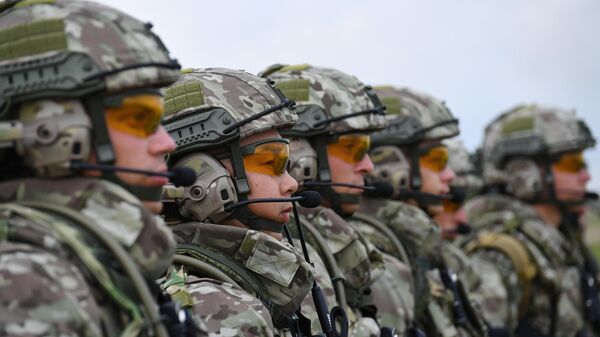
point(409, 233)
point(265, 279)
point(369, 276)
point(543, 267)
point(78, 256)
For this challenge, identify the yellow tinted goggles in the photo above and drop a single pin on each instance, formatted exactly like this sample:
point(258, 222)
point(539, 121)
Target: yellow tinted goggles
point(350, 148)
point(267, 157)
point(138, 115)
point(435, 158)
point(571, 162)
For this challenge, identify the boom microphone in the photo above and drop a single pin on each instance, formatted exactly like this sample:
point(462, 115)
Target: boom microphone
point(179, 176)
point(307, 199)
point(378, 189)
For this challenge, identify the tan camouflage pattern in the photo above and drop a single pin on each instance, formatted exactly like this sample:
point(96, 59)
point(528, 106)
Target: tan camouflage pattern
point(427, 110)
point(461, 162)
point(239, 93)
point(422, 239)
point(527, 130)
point(112, 40)
point(393, 294)
point(555, 257)
point(44, 289)
point(324, 282)
point(360, 264)
point(350, 253)
point(227, 310)
point(334, 91)
point(282, 271)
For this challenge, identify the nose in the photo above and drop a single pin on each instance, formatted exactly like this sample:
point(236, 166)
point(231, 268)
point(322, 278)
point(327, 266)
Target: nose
point(365, 166)
point(584, 175)
point(161, 142)
point(288, 184)
point(447, 175)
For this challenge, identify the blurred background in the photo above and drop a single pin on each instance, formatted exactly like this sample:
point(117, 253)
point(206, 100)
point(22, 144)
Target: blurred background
point(481, 57)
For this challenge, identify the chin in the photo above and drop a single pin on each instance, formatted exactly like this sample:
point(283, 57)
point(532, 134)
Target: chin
point(350, 209)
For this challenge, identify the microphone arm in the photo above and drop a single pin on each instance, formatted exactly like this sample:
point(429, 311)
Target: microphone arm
point(179, 176)
point(231, 207)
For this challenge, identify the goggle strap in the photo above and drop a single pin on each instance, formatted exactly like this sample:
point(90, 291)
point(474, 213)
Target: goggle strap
point(94, 105)
point(324, 172)
point(443, 123)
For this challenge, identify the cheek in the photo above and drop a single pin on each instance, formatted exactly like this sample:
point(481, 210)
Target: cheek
point(342, 171)
point(128, 149)
point(430, 180)
point(262, 186)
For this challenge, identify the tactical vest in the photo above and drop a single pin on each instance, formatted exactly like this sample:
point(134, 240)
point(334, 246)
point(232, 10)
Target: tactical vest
point(547, 268)
point(30, 222)
point(442, 306)
point(242, 257)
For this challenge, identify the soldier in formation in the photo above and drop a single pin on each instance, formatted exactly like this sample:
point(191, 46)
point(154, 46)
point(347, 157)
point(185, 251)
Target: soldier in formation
point(101, 236)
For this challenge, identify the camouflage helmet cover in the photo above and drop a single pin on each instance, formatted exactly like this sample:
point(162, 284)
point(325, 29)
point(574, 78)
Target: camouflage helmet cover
point(64, 48)
point(413, 117)
point(463, 164)
point(205, 102)
point(533, 130)
point(322, 94)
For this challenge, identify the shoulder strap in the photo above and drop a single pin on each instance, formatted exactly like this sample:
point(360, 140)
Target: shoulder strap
point(400, 250)
point(517, 252)
point(37, 212)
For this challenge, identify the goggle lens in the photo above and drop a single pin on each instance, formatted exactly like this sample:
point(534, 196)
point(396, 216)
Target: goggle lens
point(268, 158)
point(351, 148)
point(138, 115)
point(435, 159)
point(571, 162)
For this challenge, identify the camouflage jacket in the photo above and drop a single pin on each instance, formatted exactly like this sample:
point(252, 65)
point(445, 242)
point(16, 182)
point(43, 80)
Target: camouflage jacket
point(539, 265)
point(357, 265)
point(393, 292)
point(272, 276)
point(432, 262)
point(57, 278)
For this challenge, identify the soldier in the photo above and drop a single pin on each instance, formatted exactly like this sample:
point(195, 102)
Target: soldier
point(226, 123)
point(466, 184)
point(329, 148)
point(81, 244)
point(533, 159)
point(410, 155)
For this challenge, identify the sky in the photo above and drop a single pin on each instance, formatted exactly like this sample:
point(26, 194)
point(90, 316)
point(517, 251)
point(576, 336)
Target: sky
point(481, 57)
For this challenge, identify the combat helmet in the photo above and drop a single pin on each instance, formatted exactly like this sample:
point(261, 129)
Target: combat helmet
point(62, 63)
point(329, 104)
point(525, 139)
point(413, 118)
point(468, 181)
point(208, 112)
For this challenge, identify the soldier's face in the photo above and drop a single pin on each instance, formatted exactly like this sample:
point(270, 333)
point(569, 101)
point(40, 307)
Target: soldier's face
point(350, 172)
point(267, 183)
point(140, 143)
point(570, 178)
point(436, 175)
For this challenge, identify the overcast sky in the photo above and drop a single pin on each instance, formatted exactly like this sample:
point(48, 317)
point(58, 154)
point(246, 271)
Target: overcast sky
point(480, 56)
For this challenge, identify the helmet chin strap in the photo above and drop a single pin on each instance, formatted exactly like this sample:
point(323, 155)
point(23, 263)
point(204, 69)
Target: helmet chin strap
point(243, 213)
point(335, 199)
